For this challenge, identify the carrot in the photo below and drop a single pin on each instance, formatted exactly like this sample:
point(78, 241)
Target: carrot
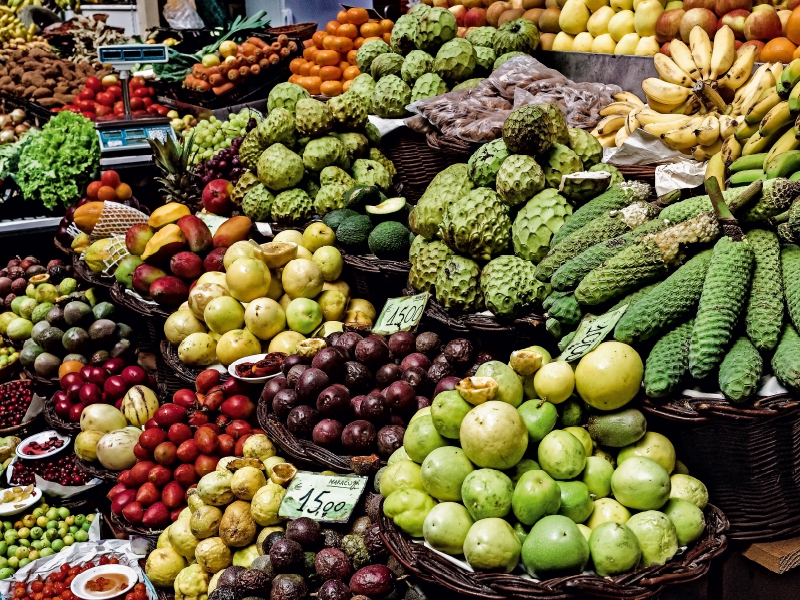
point(292, 46)
point(213, 71)
point(255, 69)
point(216, 79)
point(221, 89)
point(244, 71)
point(203, 86)
point(248, 48)
point(275, 46)
point(257, 42)
point(285, 52)
point(264, 63)
point(197, 70)
point(233, 74)
point(232, 62)
point(274, 59)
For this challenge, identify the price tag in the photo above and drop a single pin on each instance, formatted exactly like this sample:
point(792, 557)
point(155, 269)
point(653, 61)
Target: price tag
point(401, 314)
point(591, 331)
point(328, 498)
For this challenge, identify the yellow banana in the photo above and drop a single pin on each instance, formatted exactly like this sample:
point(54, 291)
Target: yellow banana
point(617, 108)
point(708, 132)
point(628, 97)
point(788, 141)
point(608, 141)
point(716, 168)
point(766, 83)
point(723, 52)
point(703, 153)
point(610, 124)
point(777, 69)
point(664, 92)
point(758, 143)
point(746, 90)
point(632, 121)
point(671, 72)
point(745, 131)
point(648, 116)
point(662, 128)
point(620, 137)
point(727, 126)
point(760, 109)
point(778, 116)
point(682, 56)
point(731, 150)
point(684, 137)
point(700, 45)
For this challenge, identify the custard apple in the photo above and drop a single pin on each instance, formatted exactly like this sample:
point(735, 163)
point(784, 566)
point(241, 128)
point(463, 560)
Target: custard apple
point(285, 95)
point(509, 285)
point(503, 58)
point(313, 117)
point(616, 174)
point(292, 206)
point(369, 52)
point(484, 60)
point(310, 185)
point(436, 26)
point(519, 35)
point(378, 156)
point(448, 186)
point(386, 64)
point(519, 179)
point(250, 149)
point(390, 97)
point(373, 134)
point(280, 168)
point(404, 34)
point(278, 128)
point(486, 161)
point(416, 64)
point(458, 286)
point(419, 10)
point(536, 222)
point(426, 264)
point(364, 86)
point(257, 203)
point(370, 172)
point(581, 187)
point(477, 225)
point(329, 197)
point(586, 146)
point(469, 84)
point(455, 61)
point(533, 128)
point(481, 36)
point(247, 181)
point(418, 244)
point(324, 152)
point(559, 161)
point(349, 110)
point(428, 86)
point(330, 175)
point(356, 145)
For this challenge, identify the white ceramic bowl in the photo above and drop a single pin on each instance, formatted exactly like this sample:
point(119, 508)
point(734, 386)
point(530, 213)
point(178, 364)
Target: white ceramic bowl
point(41, 438)
point(78, 586)
point(13, 508)
point(251, 359)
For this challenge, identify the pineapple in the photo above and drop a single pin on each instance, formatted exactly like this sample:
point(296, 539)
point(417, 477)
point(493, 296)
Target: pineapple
point(179, 182)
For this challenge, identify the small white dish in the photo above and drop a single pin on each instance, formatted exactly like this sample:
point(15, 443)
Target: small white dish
point(251, 359)
point(13, 508)
point(78, 586)
point(41, 438)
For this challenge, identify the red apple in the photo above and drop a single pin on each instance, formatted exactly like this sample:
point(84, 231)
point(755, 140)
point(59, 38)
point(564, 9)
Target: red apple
point(690, 4)
point(699, 17)
point(217, 196)
point(459, 11)
point(758, 44)
point(75, 412)
point(150, 424)
point(735, 20)
point(115, 387)
point(762, 24)
point(668, 25)
point(233, 386)
point(169, 414)
point(134, 375)
point(722, 7)
point(475, 17)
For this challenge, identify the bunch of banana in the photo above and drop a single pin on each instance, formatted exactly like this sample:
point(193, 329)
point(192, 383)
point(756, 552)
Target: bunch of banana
point(619, 119)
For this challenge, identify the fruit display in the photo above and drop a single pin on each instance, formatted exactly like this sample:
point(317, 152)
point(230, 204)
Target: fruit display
point(485, 472)
point(349, 393)
point(17, 396)
point(8, 355)
point(103, 98)
point(508, 195)
point(211, 135)
point(38, 534)
point(328, 65)
point(61, 469)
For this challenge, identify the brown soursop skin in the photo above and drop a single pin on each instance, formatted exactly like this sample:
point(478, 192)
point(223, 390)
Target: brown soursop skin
point(477, 225)
point(533, 128)
point(426, 265)
point(458, 285)
point(312, 117)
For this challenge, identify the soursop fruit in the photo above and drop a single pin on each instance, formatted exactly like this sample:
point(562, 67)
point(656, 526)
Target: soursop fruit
point(313, 117)
point(477, 225)
point(324, 152)
point(455, 61)
point(285, 95)
point(278, 128)
point(436, 26)
point(378, 156)
point(369, 52)
point(364, 87)
point(292, 206)
point(509, 285)
point(536, 222)
point(533, 128)
point(559, 161)
point(418, 244)
point(390, 97)
point(458, 286)
point(356, 145)
point(486, 161)
point(250, 149)
point(349, 110)
point(519, 179)
point(416, 64)
point(280, 168)
point(370, 172)
point(616, 174)
point(519, 35)
point(481, 36)
point(505, 57)
point(389, 63)
point(448, 186)
point(425, 266)
point(469, 84)
point(419, 10)
point(404, 34)
point(329, 197)
point(586, 146)
point(582, 186)
point(247, 181)
point(257, 203)
point(373, 134)
point(330, 175)
point(484, 60)
point(428, 86)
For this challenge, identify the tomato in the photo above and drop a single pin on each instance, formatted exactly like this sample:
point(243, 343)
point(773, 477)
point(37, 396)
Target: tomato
point(140, 595)
point(105, 99)
point(67, 595)
point(152, 91)
point(138, 112)
point(48, 591)
point(102, 111)
point(148, 102)
point(130, 596)
point(93, 83)
point(69, 580)
point(141, 92)
point(136, 83)
point(85, 104)
point(65, 568)
point(37, 596)
point(19, 592)
point(115, 91)
point(103, 560)
point(37, 586)
point(86, 94)
point(140, 587)
point(137, 104)
point(59, 587)
point(89, 115)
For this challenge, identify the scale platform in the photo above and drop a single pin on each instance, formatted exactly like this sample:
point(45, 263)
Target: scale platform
point(124, 140)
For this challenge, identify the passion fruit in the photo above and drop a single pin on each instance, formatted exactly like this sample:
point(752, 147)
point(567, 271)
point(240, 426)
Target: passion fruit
point(304, 531)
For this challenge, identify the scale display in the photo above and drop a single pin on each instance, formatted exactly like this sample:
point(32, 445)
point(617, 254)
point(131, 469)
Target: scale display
point(132, 137)
point(132, 53)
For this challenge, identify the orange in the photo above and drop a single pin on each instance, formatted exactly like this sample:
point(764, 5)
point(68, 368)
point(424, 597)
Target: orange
point(318, 37)
point(343, 65)
point(106, 192)
point(92, 188)
point(348, 30)
point(778, 49)
point(70, 366)
point(387, 25)
point(371, 29)
point(314, 70)
point(346, 85)
point(327, 57)
point(341, 44)
point(358, 42)
point(332, 27)
point(331, 88)
point(357, 16)
point(796, 53)
point(330, 73)
point(387, 37)
point(793, 26)
point(351, 72)
point(295, 65)
point(369, 39)
point(326, 42)
point(313, 85)
point(123, 191)
point(305, 69)
point(295, 79)
point(309, 53)
point(341, 16)
point(351, 57)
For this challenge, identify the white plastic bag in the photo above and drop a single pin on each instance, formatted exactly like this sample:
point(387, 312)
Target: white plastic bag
point(182, 14)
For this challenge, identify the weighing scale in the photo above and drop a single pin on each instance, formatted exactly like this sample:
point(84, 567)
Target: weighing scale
point(123, 140)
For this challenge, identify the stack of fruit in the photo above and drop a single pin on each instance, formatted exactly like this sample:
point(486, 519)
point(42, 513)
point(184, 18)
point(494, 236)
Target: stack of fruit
point(471, 213)
point(211, 135)
point(274, 294)
point(19, 274)
point(103, 98)
point(329, 65)
point(61, 469)
point(468, 449)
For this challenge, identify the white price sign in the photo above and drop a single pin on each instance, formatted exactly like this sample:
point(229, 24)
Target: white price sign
point(401, 314)
point(328, 498)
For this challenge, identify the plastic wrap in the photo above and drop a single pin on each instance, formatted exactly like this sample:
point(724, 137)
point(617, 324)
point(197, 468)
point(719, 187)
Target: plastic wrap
point(477, 115)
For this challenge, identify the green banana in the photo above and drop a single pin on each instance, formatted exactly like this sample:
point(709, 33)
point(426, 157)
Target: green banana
point(795, 177)
point(783, 164)
point(760, 109)
point(746, 177)
point(788, 141)
point(777, 118)
point(794, 98)
point(746, 163)
point(790, 76)
point(744, 131)
point(758, 143)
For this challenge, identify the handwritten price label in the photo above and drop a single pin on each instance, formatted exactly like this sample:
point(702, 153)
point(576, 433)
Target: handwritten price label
point(401, 314)
point(591, 331)
point(328, 498)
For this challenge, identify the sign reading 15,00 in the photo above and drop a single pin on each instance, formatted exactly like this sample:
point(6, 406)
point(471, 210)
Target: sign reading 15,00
point(401, 314)
point(330, 498)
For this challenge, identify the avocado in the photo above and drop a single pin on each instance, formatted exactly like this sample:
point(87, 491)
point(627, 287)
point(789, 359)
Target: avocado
point(390, 241)
point(55, 316)
point(121, 348)
point(103, 331)
point(79, 357)
point(360, 195)
point(336, 217)
point(124, 331)
point(28, 355)
point(617, 429)
point(99, 358)
point(37, 331)
point(50, 340)
point(103, 310)
point(47, 364)
point(354, 232)
point(77, 313)
point(393, 209)
point(75, 339)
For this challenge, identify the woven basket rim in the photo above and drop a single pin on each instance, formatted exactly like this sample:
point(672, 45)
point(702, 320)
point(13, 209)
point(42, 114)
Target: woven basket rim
point(126, 527)
point(56, 422)
point(38, 379)
point(374, 265)
point(119, 296)
point(453, 145)
point(95, 471)
point(61, 247)
point(89, 276)
point(184, 372)
point(703, 410)
point(637, 585)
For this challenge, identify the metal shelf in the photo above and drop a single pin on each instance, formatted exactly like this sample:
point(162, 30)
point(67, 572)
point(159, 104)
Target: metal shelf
point(29, 225)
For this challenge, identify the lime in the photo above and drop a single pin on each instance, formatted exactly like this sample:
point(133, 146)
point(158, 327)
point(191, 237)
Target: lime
point(555, 547)
point(63, 512)
point(492, 545)
point(539, 417)
point(487, 493)
point(57, 545)
point(614, 549)
point(399, 454)
point(446, 527)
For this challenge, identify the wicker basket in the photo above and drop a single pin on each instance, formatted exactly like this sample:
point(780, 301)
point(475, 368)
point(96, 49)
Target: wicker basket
point(16, 429)
point(93, 470)
point(638, 585)
point(42, 385)
point(303, 451)
point(758, 445)
point(455, 147)
point(643, 173)
point(304, 31)
point(376, 279)
point(123, 525)
point(88, 276)
point(56, 422)
point(184, 373)
point(132, 303)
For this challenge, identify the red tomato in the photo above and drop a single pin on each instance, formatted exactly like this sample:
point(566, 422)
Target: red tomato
point(141, 92)
point(37, 586)
point(93, 83)
point(102, 111)
point(89, 115)
point(130, 596)
point(136, 83)
point(138, 112)
point(87, 105)
point(152, 91)
point(19, 592)
point(151, 111)
point(59, 587)
point(65, 568)
point(140, 587)
point(111, 179)
point(148, 102)
point(137, 104)
point(105, 99)
point(115, 561)
point(115, 90)
point(86, 94)
point(74, 570)
point(67, 595)
point(69, 579)
point(103, 560)
point(140, 595)
point(162, 110)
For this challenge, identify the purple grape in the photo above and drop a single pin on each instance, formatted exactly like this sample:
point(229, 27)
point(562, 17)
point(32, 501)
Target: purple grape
point(235, 161)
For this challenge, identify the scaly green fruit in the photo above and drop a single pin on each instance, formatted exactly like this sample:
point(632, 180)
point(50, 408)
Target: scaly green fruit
point(370, 172)
point(279, 168)
point(390, 97)
point(534, 128)
point(537, 222)
point(404, 34)
point(519, 35)
point(427, 263)
point(668, 362)
point(436, 26)
point(764, 312)
point(616, 174)
point(455, 60)
point(486, 161)
point(481, 36)
point(786, 360)
point(369, 52)
point(416, 64)
point(519, 179)
point(385, 64)
point(428, 85)
point(285, 95)
point(329, 197)
point(509, 286)
point(324, 152)
point(257, 203)
point(586, 146)
point(484, 60)
point(477, 225)
point(458, 285)
point(740, 371)
point(292, 206)
point(349, 110)
point(312, 117)
point(446, 187)
point(559, 161)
